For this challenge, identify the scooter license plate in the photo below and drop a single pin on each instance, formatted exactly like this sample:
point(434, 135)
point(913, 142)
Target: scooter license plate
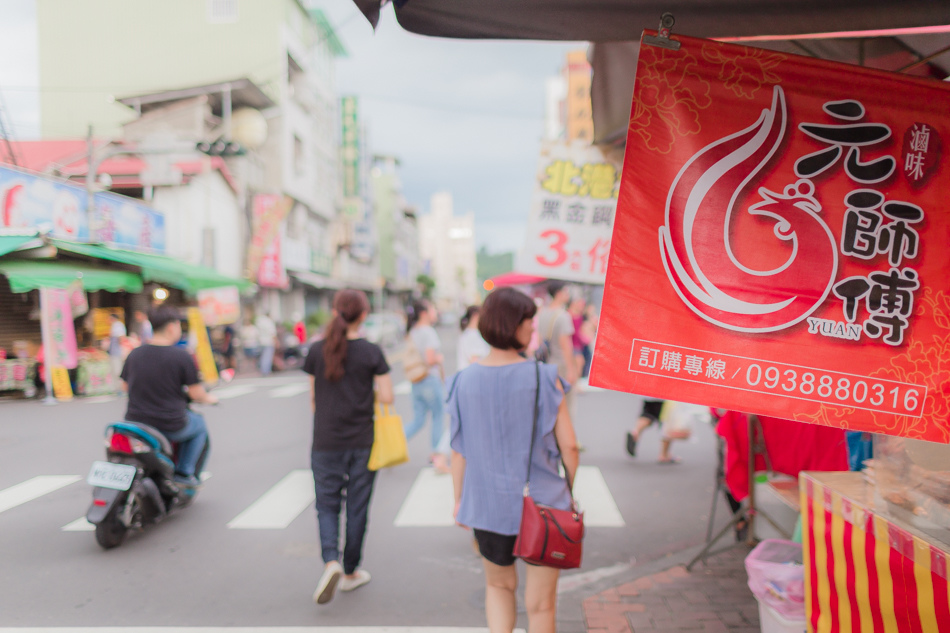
point(109, 475)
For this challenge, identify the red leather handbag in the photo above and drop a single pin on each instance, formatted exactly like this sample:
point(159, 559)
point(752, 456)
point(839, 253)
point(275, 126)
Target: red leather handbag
point(548, 536)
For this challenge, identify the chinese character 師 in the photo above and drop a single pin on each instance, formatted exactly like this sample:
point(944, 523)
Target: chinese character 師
point(693, 365)
point(671, 361)
point(648, 357)
point(716, 369)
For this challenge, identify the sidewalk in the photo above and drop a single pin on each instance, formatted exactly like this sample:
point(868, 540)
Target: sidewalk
point(665, 598)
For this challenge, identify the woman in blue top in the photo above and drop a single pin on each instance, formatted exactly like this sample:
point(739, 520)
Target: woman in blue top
point(492, 409)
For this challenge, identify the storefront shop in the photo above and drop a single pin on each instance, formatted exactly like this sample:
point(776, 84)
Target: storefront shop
point(64, 294)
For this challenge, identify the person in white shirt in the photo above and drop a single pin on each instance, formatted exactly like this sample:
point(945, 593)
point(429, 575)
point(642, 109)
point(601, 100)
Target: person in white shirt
point(471, 346)
point(117, 332)
point(267, 331)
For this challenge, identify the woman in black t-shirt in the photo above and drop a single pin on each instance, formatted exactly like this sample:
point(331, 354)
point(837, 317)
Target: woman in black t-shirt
point(344, 371)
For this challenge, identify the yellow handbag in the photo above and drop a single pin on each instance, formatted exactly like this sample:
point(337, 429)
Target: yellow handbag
point(389, 443)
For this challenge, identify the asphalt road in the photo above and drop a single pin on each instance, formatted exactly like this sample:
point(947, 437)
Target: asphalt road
point(195, 570)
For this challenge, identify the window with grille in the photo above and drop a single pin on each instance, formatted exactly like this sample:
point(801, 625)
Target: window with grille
point(222, 11)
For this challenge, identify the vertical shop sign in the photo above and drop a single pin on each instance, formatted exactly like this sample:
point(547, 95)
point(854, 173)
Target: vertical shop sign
point(780, 241)
point(572, 212)
point(203, 353)
point(351, 147)
point(59, 336)
point(263, 257)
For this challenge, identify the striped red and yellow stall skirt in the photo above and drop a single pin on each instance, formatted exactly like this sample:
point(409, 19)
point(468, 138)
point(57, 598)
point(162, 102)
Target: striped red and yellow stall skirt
point(864, 573)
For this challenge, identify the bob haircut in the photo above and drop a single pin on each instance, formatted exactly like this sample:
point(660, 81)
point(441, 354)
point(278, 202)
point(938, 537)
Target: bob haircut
point(502, 313)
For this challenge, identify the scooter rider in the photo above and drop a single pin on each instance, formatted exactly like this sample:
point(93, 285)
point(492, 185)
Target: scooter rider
point(155, 375)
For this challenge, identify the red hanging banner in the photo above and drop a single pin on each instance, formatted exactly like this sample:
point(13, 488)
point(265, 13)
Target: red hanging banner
point(781, 243)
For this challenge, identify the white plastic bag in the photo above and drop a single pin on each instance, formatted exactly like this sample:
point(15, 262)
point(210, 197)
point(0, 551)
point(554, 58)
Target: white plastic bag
point(777, 576)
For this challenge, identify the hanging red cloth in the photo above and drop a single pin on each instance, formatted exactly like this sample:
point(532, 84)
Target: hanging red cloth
point(792, 447)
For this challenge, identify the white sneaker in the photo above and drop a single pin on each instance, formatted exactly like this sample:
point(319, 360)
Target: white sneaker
point(328, 582)
point(349, 584)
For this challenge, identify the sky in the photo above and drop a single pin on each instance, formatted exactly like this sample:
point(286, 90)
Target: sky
point(462, 116)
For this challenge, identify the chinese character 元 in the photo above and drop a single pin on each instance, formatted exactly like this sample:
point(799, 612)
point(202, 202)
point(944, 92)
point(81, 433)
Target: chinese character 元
point(853, 136)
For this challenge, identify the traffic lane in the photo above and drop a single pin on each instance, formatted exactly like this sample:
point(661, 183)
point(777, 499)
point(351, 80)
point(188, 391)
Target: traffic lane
point(215, 576)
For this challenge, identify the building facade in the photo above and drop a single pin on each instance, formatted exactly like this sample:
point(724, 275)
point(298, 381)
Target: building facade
point(282, 48)
point(447, 249)
point(398, 230)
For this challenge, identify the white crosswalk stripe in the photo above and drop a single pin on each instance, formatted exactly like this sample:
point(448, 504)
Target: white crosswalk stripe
point(280, 505)
point(430, 501)
point(289, 391)
point(33, 489)
point(234, 391)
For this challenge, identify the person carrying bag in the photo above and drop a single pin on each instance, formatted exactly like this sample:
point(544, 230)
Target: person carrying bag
point(509, 420)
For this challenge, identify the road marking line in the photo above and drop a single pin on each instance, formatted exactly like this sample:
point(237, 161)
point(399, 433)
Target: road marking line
point(247, 629)
point(33, 489)
point(289, 391)
point(234, 392)
point(591, 491)
point(430, 502)
point(82, 525)
point(99, 399)
point(79, 525)
point(403, 389)
point(279, 506)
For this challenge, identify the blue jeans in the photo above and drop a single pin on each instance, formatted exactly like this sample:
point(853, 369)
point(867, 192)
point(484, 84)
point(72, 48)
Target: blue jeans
point(267, 359)
point(191, 440)
point(334, 471)
point(428, 395)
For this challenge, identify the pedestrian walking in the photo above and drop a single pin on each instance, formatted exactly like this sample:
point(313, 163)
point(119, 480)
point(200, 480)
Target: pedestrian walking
point(492, 405)
point(267, 331)
point(576, 310)
point(555, 330)
point(144, 326)
point(428, 393)
point(250, 341)
point(471, 346)
point(649, 415)
point(344, 369)
point(117, 332)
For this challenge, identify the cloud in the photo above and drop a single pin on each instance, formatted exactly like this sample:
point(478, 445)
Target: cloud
point(463, 116)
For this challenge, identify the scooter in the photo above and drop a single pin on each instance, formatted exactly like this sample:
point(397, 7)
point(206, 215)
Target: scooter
point(136, 486)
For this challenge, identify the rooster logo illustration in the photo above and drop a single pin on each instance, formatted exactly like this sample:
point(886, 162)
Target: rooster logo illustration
point(695, 242)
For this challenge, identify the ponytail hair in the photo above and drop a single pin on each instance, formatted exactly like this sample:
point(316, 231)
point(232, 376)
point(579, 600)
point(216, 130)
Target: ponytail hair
point(415, 310)
point(470, 313)
point(348, 306)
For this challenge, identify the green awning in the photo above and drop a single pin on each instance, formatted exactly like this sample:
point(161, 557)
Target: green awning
point(28, 274)
point(9, 243)
point(158, 268)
